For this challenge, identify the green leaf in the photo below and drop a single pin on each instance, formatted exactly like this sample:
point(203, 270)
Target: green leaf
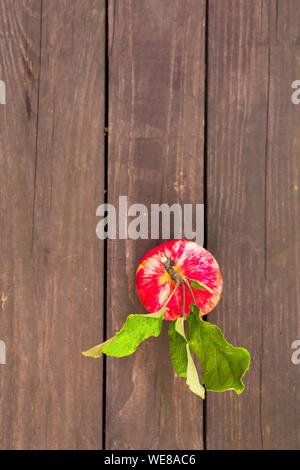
point(178, 350)
point(192, 376)
point(182, 359)
point(199, 285)
point(222, 364)
point(136, 329)
point(96, 351)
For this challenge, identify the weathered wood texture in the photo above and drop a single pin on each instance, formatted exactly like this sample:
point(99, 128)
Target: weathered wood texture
point(156, 119)
point(280, 413)
point(199, 109)
point(237, 120)
point(253, 215)
point(52, 59)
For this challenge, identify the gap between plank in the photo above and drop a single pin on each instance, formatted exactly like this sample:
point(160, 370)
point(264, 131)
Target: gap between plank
point(205, 182)
point(106, 120)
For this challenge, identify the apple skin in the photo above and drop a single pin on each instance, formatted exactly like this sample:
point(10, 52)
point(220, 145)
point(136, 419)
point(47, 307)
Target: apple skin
point(154, 285)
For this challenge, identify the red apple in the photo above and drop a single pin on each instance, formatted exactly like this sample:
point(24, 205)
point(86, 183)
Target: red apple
point(175, 261)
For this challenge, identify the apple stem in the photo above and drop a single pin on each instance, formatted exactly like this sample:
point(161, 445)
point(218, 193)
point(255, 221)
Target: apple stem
point(169, 267)
point(191, 292)
point(183, 296)
point(170, 297)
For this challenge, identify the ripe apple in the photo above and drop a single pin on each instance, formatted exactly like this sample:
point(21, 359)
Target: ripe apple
point(174, 265)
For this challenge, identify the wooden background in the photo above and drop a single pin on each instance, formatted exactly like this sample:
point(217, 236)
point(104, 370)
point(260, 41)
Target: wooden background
point(196, 96)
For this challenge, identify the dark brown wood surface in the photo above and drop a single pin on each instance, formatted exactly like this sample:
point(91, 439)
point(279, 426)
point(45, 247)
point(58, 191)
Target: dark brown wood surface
point(253, 215)
point(51, 183)
point(280, 385)
point(196, 95)
point(156, 138)
point(237, 124)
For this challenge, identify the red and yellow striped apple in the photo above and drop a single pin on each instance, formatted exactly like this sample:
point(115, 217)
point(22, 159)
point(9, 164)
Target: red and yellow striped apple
point(175, 265)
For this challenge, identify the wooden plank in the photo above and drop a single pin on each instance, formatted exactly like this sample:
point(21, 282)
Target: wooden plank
point(51, 183)
point(156, 115)
point(20, 52)
point(238, 69)
point(280, 377)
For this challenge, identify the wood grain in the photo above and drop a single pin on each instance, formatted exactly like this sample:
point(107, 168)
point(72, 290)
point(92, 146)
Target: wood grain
point(52, 58)
point(280, 378)
point(253, 220)
point(156, 117)
point(238, 69)
point(240, 156)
